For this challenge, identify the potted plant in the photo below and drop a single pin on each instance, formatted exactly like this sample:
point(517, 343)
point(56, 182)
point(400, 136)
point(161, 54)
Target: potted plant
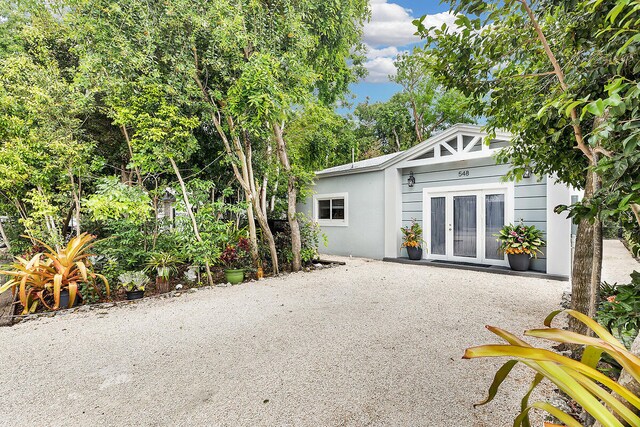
point(235, 258)
point(134, 283)
point(520, 243)
point(412, 240)
point(165, 265)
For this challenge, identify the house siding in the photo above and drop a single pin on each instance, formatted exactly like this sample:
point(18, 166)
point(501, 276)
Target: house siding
point(364, 234)
point(530, 202)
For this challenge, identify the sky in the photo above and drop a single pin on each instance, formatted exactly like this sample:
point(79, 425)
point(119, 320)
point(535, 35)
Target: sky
point(388, 33)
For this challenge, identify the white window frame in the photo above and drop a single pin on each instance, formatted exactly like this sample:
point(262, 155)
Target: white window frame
point(331, 222)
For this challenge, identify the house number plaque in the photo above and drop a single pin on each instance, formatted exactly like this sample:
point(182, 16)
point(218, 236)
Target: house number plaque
point(463, 173)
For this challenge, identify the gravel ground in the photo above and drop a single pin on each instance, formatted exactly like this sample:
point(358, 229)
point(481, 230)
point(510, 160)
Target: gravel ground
point(369, 343)
point(617, 262)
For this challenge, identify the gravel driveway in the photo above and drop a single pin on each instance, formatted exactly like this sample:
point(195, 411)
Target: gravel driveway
point(369, 343)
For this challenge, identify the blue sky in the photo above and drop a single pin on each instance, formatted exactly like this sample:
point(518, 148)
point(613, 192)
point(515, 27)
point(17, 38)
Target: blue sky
point(388, 33)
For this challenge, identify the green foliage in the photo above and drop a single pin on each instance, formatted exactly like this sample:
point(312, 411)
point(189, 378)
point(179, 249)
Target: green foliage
point(432, 107)
point(320, 138)
point(41, 111)
point(384, 127)
point(310, 236)
point(127, 246)
point(580, 380)
point(596, 48)
point(521, 239)
point(619, 309)
point(115, 201)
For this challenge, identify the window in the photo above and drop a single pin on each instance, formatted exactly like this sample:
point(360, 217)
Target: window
point(331, 209)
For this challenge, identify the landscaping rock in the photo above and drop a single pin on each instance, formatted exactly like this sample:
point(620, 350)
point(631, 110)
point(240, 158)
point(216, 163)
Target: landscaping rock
point(6, 309)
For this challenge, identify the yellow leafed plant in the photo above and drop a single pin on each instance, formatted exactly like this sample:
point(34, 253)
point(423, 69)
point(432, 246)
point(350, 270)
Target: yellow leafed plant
point(578, 379)
point(42, 278)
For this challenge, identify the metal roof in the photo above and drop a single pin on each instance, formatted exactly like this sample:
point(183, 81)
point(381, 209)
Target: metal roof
point(361, 164)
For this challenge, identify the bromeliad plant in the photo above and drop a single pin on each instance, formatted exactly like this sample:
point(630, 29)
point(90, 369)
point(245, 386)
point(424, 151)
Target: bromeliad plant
point(578, 379)
point(41, 279)
point(412, 235)
point(133, 280)
point(520, 239)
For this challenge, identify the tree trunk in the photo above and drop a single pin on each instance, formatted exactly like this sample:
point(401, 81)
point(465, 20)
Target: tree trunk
point(123, 129)
point(417, 122)
point(581, 275)
point(4, 236)
point(253, 237)
point(196, 231)
point(596, 267)
point(268, 236)
point(76, 201)
point(236, 153)
point(292, 194)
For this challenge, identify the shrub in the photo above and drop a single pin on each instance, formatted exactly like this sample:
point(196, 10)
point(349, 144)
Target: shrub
point(619, 309)
point(310, 237)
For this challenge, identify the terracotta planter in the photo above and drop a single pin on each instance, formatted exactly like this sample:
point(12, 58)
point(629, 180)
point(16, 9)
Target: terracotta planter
point(414, 253)
point(519, 262)
point(234, 276)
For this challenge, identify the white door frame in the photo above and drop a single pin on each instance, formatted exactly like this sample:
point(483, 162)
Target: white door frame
point(479, 190)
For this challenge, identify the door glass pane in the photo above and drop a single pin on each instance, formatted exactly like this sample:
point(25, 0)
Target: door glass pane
point(464, 226)
point(337, 209)
point(494, 214)
point(324, 209)
point(438, 226)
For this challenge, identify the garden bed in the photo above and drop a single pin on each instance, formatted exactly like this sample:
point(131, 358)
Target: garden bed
point(12, 316)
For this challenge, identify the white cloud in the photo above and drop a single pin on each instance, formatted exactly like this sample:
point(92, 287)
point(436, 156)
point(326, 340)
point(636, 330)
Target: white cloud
point(390, 29)
point(391, 24)
point(373, 53)
point(379, 70)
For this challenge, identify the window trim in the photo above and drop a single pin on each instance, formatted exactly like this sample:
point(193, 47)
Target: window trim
point(331, 222)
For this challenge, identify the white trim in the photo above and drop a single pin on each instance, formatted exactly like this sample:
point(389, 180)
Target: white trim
point(558, 236)
point(452, 158)
point(331, 222)
point(479, 190)
point(398, 162)
point(392, 212)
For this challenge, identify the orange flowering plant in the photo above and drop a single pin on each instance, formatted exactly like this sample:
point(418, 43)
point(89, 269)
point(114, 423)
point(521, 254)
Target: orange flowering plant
point(412, 235)
point(520, 239)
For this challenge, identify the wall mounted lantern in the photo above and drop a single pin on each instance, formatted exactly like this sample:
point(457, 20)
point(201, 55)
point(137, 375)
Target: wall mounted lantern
point(527, 172)
point(411, 180)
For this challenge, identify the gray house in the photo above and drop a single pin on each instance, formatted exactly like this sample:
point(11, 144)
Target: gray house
point(452, 185)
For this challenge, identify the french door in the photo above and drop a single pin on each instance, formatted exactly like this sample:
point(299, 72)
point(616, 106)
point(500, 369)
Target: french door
point(461, 225)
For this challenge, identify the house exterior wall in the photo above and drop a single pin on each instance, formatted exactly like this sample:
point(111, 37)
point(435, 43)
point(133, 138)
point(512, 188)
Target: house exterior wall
point(530, 195)
point(363, 235)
